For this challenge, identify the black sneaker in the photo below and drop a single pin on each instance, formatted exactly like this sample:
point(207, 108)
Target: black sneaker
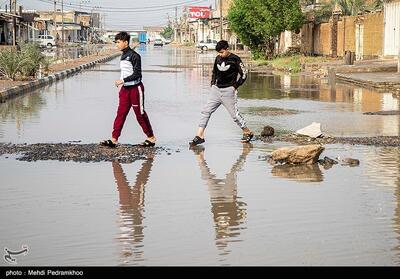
point(196, 141)
point(147, 143)
point(108, 143)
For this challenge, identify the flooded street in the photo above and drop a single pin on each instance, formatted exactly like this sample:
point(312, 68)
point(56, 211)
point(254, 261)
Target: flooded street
point(222, 204)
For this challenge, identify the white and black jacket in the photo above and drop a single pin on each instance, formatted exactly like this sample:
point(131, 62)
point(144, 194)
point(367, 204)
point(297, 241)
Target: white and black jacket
point(131, 67)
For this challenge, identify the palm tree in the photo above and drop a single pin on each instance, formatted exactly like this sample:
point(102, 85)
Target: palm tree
point(354, 7)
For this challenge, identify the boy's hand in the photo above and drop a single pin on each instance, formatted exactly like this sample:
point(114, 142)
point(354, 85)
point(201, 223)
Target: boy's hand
point(119, 82)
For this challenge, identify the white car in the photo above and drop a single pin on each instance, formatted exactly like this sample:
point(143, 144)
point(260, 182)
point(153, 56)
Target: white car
point(209, 44)
point(46, 41)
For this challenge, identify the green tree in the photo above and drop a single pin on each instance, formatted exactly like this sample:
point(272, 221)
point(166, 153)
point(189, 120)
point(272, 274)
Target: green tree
point(167, 32)
point(259, 22)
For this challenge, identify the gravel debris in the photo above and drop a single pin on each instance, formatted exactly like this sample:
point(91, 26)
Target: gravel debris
point(304, 140)
point(124, 153)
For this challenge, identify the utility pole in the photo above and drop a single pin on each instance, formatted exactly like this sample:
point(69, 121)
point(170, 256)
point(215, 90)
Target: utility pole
point(62, 20)
point(176, 24)
point(221, 21)
point(55, 19)
point(14, 21)
point(398, 53)
point(91, 25)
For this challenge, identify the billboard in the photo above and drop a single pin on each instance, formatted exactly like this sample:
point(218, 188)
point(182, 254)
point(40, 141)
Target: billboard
point(199, 12)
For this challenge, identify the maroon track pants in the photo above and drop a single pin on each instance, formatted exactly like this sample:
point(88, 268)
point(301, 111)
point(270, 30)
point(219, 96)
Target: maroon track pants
point(132, 96)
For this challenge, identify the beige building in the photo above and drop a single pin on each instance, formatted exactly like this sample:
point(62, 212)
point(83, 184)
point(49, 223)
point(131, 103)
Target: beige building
point(74, 25)
point(193, 31)
point(153, 32)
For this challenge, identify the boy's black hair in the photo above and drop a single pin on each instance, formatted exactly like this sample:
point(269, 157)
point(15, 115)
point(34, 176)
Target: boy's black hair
point(123, 36)
point(222, 45)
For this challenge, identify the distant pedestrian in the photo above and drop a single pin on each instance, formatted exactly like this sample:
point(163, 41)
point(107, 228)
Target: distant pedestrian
point(131, 93)
point(227, 75)
point(69, 38)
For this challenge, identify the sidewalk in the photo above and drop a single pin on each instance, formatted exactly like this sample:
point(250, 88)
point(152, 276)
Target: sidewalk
point(376, 80)
point(10, 89)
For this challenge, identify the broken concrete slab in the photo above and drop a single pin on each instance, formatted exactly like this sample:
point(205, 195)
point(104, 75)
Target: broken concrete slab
point(313, 130)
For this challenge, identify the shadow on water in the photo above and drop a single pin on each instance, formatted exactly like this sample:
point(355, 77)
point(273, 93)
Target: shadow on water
point(228, 210)
point(131, 211)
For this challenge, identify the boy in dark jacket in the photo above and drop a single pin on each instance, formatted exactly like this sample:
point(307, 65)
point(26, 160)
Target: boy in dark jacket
point(131, 93)
point(228, 74)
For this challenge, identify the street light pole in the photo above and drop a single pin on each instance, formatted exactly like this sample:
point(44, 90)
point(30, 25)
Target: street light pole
point(221, 21)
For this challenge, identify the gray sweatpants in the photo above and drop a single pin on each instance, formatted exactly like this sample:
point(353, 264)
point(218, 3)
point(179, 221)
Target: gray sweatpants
point(228, 98)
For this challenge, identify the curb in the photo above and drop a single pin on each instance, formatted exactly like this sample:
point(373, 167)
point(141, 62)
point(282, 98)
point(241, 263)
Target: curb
point(19, 90)
point(391, 86)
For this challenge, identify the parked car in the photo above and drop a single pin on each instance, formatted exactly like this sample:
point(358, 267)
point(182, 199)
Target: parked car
point(206, 45)
point(46, 41)
point(158, 42)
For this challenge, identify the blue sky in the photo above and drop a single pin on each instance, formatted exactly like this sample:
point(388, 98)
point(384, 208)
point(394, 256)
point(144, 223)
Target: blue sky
point(120, 14)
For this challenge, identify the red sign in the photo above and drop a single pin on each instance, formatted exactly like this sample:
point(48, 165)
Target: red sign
point(199, 12)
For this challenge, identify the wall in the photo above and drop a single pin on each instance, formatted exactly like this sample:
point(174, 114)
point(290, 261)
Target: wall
point(346, 34)
point(373, 35)
point(322, 39)
point(317, 38)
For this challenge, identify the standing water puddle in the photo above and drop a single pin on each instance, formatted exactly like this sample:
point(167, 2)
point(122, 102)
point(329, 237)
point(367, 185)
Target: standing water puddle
point(218, 205)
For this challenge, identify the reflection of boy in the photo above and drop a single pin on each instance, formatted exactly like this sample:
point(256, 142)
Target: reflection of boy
point(228, 74)
point(228, 211)
point(131, 200)
point(131, 93)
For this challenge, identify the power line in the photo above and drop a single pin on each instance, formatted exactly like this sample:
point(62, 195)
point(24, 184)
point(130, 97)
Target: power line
point(127, 9)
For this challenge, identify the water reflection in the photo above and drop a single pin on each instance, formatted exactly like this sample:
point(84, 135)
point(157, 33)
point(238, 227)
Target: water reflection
point(229, 211)
point(21, 108)
point(334, 105)
point(382, 168)
point(194, 63)
point(308, 87)
point(300, 173)
point(131, 211)
point(396, 218)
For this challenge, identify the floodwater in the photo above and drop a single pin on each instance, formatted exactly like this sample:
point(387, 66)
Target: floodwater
point(222, 204)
